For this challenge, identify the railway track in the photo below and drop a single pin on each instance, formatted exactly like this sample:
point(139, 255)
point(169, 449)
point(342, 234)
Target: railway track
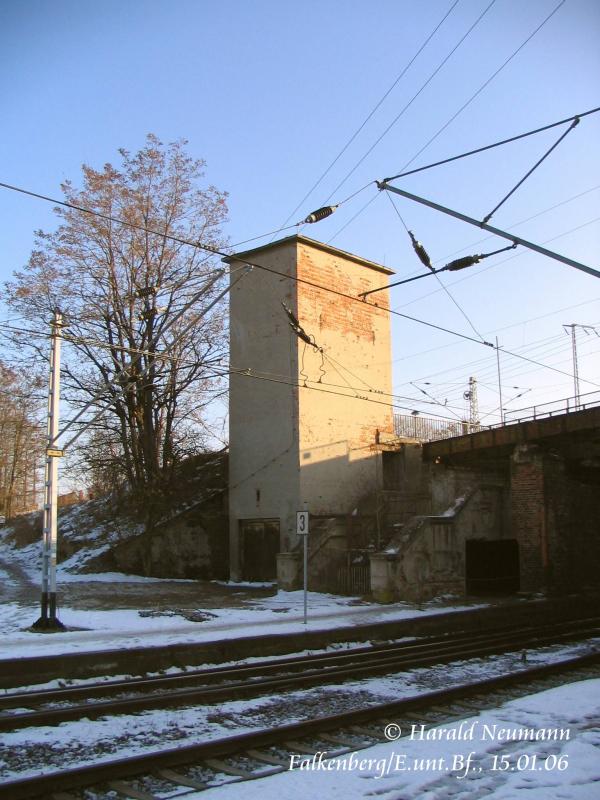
point(206, 686)
point(265, 752)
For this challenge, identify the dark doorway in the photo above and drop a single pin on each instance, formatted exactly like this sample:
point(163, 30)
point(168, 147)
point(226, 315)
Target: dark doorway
point(392, 469)
point(492, 567)
point(260, 545)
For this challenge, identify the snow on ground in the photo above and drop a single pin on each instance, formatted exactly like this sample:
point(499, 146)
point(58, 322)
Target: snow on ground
point(76, 743)
point(491, 755)
point(118, 628)
point(114, 626)
point(98, 540)
point(27, 752)
point(430, 769)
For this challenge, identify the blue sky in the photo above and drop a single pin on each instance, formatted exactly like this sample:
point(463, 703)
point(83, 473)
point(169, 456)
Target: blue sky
point(269, 92)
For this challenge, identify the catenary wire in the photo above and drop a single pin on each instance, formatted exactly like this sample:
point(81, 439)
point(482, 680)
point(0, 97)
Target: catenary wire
point(523, 358)
point(461, 109)
point(521, 222)
point(483, 85)
point(252, 374)
point(488, 216)
point(437, 277)
point(372, 112)
point(437, 402)
point(161, 356)
point(284, 378)
point(301, 223)
point(514, 373)
point(413, 98)
point(164, 356)
point(356, 215)
point(239, 257)
point(478, 363)
point(263, 267)
point(498, 263)
point(456, 114)
point(472, 245)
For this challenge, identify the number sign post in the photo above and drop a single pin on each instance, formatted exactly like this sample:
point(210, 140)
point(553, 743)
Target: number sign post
point(302, 523)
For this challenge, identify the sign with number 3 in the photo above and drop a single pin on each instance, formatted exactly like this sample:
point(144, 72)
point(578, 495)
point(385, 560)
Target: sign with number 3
point(302, 523)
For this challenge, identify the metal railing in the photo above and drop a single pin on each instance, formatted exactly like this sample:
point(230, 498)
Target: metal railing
point(565, 405)
point(428, 429)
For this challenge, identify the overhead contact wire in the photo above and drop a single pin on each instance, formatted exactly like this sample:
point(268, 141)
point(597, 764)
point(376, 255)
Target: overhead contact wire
point(484, 85)
point(372, 112)
point(270, 270)
point(414, 97)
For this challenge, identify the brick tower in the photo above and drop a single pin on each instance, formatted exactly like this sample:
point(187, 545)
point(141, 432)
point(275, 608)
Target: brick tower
point(306, 418)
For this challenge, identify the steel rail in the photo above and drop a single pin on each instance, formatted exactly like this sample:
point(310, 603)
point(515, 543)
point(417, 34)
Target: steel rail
point(480, 691)
point(315, 671)
point(418, 644)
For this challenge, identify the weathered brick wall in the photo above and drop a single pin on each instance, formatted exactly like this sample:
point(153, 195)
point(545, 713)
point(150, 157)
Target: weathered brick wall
point(528, 516)
point(298, 432)
point(345, 379)
point(585, 534)
point(573, 513)
point(555, 517)
point(557, 499)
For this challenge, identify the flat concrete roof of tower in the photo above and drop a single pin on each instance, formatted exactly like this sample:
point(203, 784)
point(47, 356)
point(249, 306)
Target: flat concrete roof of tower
point(298, 238)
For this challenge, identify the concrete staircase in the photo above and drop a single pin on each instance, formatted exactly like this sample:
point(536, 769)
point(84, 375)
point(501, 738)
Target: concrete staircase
point(423, 558)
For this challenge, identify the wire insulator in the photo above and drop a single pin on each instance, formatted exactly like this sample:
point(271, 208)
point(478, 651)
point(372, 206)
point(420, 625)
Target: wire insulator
point(462, 263)
point(294, 322)
point(319, 214)
point(295, 325)
point(301, 334)
point(420, 251)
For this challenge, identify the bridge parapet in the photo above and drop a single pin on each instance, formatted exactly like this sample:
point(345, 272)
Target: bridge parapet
point(519, 432)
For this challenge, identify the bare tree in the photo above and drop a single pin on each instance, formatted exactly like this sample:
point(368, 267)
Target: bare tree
point(122, 288)
point(21, 440)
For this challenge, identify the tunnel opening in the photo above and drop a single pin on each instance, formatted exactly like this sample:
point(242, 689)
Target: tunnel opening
point(492, 566)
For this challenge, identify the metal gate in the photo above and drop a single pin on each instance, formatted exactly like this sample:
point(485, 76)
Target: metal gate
point(354, 577)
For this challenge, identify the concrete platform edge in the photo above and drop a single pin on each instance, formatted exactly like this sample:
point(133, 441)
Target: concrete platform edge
point(136, 661)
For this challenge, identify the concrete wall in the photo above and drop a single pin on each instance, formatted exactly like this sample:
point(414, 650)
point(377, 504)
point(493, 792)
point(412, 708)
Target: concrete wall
point(263, 415)
point(433, 564)
point(531, 522)
point(485, 515)
point(313, 441)
point(427, 555)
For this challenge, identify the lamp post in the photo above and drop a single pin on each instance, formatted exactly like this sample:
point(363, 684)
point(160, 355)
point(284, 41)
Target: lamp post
point(48, 621)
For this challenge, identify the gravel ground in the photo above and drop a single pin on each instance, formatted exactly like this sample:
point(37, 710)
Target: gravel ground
point(88, 595)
